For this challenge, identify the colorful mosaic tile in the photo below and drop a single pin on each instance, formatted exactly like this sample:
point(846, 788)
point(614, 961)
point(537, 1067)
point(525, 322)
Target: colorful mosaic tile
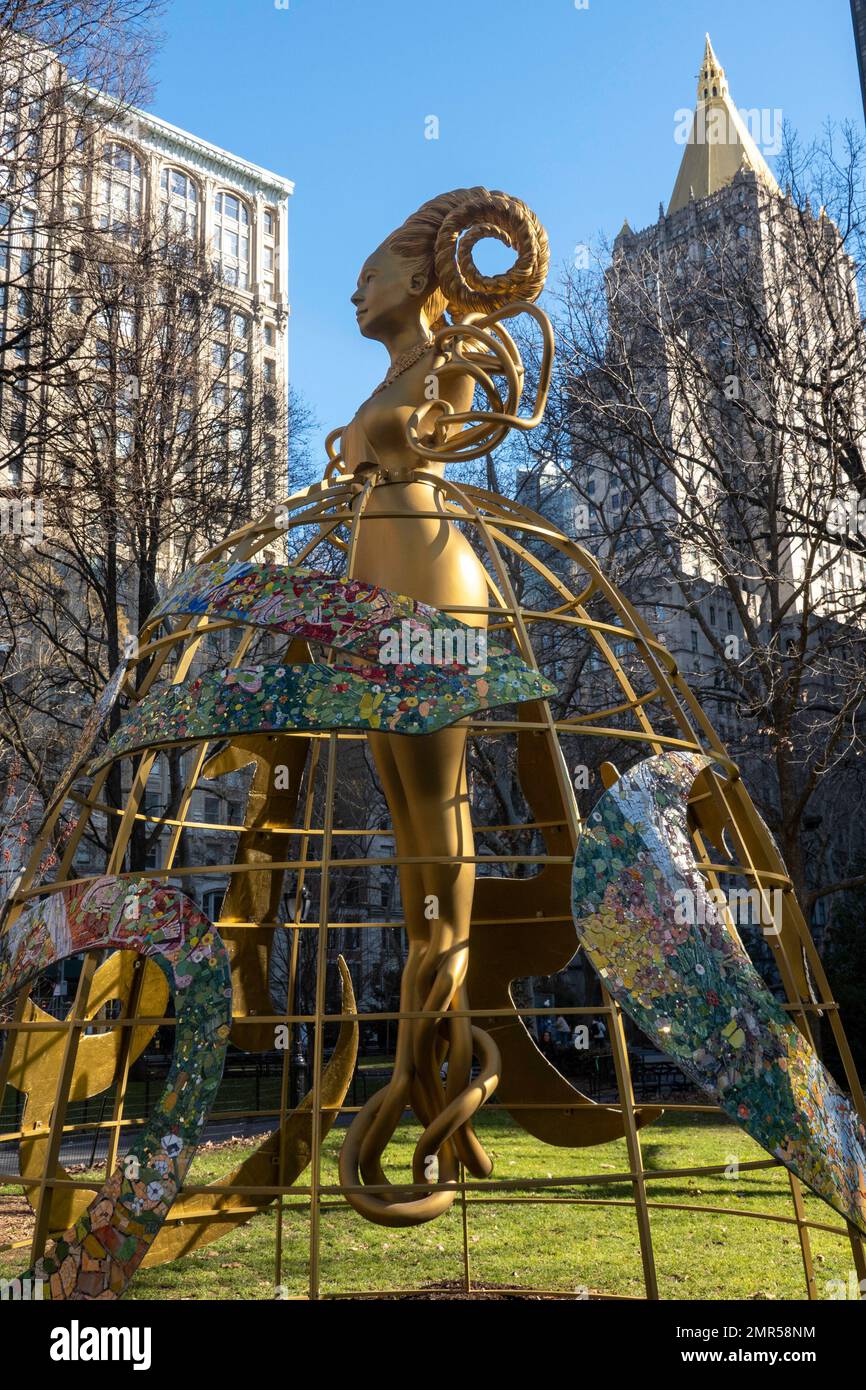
point(309, 604)
point(690, 986)
point(98, 1256)
point(247, 699)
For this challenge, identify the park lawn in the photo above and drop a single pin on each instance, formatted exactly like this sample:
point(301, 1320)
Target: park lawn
point(536, 1244)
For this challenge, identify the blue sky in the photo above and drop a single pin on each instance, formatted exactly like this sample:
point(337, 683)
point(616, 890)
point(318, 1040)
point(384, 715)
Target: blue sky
point(571, 109)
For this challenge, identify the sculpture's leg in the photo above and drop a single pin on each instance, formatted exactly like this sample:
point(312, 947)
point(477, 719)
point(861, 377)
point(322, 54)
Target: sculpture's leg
point(426, 788)
point(403, 1087)
point(432, 774)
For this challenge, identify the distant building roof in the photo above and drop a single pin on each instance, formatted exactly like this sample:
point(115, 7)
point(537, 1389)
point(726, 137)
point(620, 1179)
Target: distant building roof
point(719, 144)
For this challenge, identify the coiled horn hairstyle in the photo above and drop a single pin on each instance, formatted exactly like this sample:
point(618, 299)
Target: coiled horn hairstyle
point(439, 239)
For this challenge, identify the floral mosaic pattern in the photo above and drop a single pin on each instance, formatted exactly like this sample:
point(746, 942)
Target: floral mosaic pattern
point(398, 699)
point(693, 990)
point(305, 603)
point(98, 1256)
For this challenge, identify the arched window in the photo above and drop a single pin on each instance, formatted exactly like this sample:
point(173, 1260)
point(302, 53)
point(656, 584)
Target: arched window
point(120, 190)
point(231, 239)
point(179, 202)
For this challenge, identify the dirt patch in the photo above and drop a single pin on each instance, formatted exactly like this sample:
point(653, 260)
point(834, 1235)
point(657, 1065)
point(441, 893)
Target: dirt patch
point(16, 1219)
point(453, 1291)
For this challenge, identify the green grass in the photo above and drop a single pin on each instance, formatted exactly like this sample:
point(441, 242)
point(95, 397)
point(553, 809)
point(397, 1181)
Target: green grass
point(545, 1245)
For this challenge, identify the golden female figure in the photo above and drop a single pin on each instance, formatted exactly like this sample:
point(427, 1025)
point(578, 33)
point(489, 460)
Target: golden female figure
point(405, 543)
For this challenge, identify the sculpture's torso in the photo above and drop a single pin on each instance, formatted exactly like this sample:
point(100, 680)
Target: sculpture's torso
point(410, 550)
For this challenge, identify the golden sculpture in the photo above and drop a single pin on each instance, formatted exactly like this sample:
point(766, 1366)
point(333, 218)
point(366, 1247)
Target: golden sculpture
point(404, 542)
point(387, 512)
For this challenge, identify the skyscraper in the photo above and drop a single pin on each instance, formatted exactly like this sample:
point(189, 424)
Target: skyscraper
point(719, 438)
point(727, 223)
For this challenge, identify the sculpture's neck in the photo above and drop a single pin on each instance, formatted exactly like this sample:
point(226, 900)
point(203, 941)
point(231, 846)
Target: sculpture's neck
point(403, 340)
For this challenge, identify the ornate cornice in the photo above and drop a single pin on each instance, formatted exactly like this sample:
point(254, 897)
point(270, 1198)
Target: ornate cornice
point(199, 155)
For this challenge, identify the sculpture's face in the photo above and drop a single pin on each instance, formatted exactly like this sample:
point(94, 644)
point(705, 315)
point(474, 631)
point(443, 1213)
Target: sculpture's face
point(390, 294)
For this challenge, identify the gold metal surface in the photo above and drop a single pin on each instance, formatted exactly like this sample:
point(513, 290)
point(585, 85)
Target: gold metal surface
point(36, 1058)
point(506, 948)
point(197, 1219)
point(254, 897)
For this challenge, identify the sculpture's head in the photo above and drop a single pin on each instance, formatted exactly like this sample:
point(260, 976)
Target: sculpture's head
point(426, 266)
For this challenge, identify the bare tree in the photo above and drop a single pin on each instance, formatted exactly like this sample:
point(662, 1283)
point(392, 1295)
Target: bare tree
point(66, 71)
point(157, 443)
point(709, 420)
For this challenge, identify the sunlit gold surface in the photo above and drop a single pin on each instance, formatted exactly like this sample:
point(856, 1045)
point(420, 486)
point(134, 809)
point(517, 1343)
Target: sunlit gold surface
point(198, 1218)
point(508, 945)
point(36, 1059)
point(403, 540)
point(253, 898)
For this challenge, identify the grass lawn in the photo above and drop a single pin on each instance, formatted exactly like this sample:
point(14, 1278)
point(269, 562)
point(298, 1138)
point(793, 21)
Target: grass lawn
point(540, 1244)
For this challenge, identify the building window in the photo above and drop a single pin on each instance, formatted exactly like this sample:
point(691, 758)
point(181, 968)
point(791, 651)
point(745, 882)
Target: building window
point(270, 335)
point(694, 640)
point(220, 354)
point(231, 239)
point(270, 371)
point(120, 189)
point(212, 903)
point(269, 255)
point(179, 197)
point(712, 615)
point(240, 326)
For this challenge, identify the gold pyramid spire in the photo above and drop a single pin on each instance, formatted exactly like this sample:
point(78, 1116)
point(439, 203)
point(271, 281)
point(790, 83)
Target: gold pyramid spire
point(719, 142)
point(712, 74)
